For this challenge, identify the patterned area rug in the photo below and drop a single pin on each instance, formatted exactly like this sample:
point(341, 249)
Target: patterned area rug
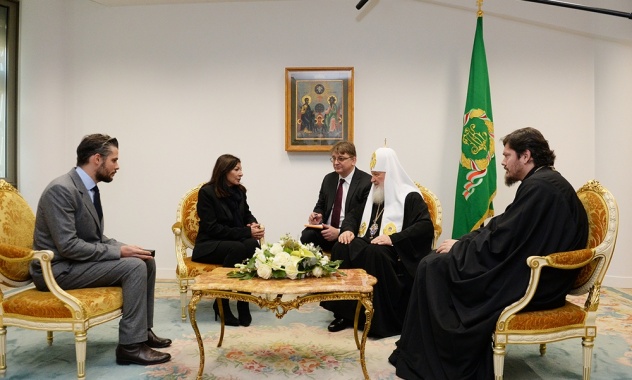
point(272, 348)
point(298, 345)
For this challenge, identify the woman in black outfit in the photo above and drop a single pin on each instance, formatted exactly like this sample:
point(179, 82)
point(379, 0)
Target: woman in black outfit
point(229, 233)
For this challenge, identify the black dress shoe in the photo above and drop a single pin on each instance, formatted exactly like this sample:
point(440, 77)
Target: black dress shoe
point(155, 342)
point(339, 324)
point(139, 353)
point(229, 318)
point(243, 308)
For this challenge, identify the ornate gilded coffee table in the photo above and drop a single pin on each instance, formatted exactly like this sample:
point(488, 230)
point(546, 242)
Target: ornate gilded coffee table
point(356, 285)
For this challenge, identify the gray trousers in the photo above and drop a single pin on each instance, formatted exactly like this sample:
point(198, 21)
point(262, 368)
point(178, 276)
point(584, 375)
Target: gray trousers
point(137, 278)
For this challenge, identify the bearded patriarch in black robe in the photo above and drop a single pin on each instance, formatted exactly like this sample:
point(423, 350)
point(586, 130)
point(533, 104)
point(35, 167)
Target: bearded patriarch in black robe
point(387, 237)
point(458, 296)
point(394, 266)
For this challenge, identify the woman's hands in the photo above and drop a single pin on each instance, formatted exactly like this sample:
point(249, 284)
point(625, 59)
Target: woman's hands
point(257, 231)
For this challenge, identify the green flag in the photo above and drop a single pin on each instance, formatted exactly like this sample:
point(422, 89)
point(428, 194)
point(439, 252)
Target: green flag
point(476, 182)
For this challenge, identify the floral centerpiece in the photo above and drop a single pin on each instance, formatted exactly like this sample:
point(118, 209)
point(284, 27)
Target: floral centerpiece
point(286, 258)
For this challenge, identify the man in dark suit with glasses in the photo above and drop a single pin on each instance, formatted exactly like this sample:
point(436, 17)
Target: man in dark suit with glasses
point(341, 191)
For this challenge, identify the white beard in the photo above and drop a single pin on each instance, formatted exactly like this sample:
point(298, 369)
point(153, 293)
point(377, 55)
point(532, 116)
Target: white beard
point(378, 194)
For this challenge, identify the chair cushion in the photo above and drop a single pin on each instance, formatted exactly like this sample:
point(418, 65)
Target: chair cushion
point(39, 304)
point(18, 271)
point(195, 269)
point(569, 314)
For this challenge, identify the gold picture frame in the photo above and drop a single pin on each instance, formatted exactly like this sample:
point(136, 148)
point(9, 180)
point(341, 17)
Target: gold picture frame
point(318, 108)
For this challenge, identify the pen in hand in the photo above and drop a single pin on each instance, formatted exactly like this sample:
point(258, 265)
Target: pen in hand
point(315, 218)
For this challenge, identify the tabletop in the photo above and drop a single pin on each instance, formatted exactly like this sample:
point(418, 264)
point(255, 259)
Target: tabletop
point(348, 280)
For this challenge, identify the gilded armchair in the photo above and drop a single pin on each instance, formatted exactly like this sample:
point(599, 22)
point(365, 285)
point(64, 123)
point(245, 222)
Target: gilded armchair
point(26, 307)
point(185, 230)
point(570, 320)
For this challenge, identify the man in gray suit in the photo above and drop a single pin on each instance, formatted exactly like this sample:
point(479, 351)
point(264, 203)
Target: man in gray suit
point(69, 222)
point(351, 184)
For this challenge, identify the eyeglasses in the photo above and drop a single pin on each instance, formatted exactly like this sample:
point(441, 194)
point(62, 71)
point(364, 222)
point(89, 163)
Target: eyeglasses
point(339, 159)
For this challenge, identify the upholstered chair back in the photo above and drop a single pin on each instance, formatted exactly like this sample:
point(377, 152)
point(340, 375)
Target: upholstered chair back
point(17, 223)
point(434, 207)
point(188, 217)
point(600, 209)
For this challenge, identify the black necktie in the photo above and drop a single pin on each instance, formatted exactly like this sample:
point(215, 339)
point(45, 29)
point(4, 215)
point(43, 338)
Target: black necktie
point(335, 213)
point(97, 202)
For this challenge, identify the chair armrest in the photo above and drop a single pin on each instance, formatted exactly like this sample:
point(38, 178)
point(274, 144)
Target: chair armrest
point(561, 260)
point(70, 301)
point(177, 228)
point(571, 259)
point(181, 250)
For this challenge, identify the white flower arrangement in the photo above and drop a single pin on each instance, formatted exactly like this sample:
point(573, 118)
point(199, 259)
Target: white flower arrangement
point(286, 258)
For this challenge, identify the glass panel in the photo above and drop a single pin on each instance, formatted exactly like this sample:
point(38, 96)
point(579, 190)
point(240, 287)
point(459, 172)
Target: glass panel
point(4, 16)
point(9, 10)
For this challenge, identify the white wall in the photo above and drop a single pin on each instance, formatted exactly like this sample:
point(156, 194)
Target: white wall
point(181, 84)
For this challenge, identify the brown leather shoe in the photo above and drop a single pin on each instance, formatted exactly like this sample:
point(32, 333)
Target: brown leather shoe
point(139, 353)
point(155, 342)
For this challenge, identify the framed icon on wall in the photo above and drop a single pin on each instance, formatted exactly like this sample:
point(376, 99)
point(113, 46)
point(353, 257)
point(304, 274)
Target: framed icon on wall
point(318, 107)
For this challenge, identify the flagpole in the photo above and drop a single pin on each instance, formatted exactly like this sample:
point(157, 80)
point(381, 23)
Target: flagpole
point(583, 8)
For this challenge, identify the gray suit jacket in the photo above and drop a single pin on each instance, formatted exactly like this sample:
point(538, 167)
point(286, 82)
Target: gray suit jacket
point(67, 224)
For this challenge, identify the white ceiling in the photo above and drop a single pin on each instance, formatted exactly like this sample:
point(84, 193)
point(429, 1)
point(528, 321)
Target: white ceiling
point(146, 2)
point(114, 3)
point(589, 23)
point(617, 5)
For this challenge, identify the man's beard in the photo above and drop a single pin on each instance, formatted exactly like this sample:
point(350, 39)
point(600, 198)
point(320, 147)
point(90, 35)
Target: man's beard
point(509, 180)
point(378, 194)
point(102, 175)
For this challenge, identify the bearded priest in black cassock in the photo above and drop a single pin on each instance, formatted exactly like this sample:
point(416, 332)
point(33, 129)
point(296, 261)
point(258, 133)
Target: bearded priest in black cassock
point(387, 237)
point(460, 291)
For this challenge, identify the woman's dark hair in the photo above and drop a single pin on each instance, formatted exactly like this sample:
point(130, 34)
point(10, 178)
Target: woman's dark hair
point(224, 164)
point(93, 144)
point(532, 140)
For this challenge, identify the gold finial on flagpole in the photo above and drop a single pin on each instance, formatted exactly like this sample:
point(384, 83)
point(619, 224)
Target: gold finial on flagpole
point(479, 3)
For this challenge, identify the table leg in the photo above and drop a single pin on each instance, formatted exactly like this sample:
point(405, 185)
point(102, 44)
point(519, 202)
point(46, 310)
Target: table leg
point(197, 295)
point(368, 306)
point(355, 324)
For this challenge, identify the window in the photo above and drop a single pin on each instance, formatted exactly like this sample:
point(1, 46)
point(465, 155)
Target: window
point(8, 89)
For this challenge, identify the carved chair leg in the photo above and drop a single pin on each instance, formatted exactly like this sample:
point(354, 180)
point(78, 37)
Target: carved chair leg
point(542, 349)
point(587, 343)
point(49, 338)
point(184, 288)
point(499, 361)
point(80, 351)
point(3, 349)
